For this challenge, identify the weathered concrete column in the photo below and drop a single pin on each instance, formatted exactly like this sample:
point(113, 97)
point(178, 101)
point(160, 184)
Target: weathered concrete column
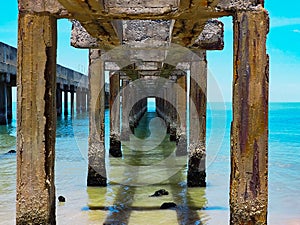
point(3, 103)
point(249, 130)
point(96, 152)
point(66, 111)
point(125, 130)
point(72, 100)
point(83, 100)
point(36, 119)
point(114, 111)
point(173, 114)
point(165, 103)
point(198, 100)
point(58, 100)
point(78, 100)
point(132, 100)
point(181, 119)
point(9, 103)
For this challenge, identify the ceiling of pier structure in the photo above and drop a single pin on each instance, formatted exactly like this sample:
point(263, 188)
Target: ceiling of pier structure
point(147, 28)
point(162, 21)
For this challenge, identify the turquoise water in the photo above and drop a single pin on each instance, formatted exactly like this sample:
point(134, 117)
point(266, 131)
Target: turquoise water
point(71, 170)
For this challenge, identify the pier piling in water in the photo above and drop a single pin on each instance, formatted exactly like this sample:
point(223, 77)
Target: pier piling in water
point(181, 106)
point(36, 119)
point(198, 100)
point(96, 150)
point(249, 129)
point(114, 105)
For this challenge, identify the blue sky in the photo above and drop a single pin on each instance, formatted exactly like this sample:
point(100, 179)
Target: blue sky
point(283, 47)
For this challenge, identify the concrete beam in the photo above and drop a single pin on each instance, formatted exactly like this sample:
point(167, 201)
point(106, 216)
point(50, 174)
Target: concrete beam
point(212, 36)
point(41, 6)
point(148, 34)
point(95, 34)
point(234, 5)
point(8, 59)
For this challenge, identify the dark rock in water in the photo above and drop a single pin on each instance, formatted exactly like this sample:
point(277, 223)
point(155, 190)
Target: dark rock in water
point(11, 151)
point(159, 193)
point(61, 198)
point(168, 205)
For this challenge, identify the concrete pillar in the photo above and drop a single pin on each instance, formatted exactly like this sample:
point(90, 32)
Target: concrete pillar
point(78, 100)
point(72, 100)
point(249, 129)
point(114, 111)
point(165, 103)
point(58, 100)
point(35, 201)
point(3, 103)
point(96, 151)
point(125, 130)
point(66, 111)
point(198, 100)
point(131, 102)
point(181, 119)
point(9, 103)
point(173, 114)
point(83, 100)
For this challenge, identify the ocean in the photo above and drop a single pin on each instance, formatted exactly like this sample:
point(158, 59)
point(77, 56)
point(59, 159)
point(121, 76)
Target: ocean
point(149, 171)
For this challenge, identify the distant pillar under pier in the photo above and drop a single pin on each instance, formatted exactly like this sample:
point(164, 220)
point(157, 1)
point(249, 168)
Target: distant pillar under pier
point(96, 150)
point(249, 129)
point(3, 103)
point(9, 103)
point(78, 100)
point(72, 99)
point(166, 103)
point(131, 102)
point(36, 128)
point(58, 100)
point(83, 100)
point(181, 99)
point(198, 101)
point(125, 130)
point(173, 113)
point(66, 103)
point(114, 111)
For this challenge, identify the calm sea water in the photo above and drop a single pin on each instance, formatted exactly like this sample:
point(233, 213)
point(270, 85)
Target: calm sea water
point(155, 167)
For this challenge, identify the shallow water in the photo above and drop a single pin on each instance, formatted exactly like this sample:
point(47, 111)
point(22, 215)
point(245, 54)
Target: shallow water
point(155, 168)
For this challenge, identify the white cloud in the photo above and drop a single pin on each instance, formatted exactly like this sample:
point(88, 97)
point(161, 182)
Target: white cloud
point(296, 31)
point(281, 22)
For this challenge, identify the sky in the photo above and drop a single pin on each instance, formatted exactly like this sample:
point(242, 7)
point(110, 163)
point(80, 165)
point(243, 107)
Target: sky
point(283, 46)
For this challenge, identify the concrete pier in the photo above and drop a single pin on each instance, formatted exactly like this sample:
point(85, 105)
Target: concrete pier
point(67, 80)
point(145, 38)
